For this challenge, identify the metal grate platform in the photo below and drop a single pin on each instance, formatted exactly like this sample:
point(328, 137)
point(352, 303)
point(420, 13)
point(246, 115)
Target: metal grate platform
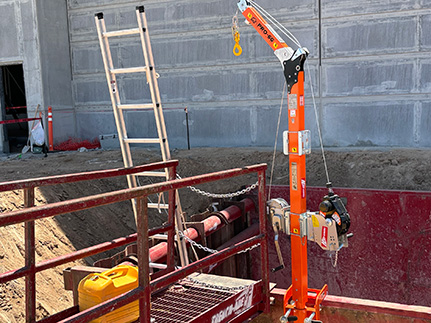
point(203, 301)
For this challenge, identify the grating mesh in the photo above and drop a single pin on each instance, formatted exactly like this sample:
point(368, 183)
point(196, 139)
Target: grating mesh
point(184, 302)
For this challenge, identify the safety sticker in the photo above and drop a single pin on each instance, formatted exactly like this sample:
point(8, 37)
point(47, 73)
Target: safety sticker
point(293, 101)
point(324, 242)
point(301, 100)
point(315, 221)
point(302, 187)
point(292, 113)
point(336, 217)
point(294, 174)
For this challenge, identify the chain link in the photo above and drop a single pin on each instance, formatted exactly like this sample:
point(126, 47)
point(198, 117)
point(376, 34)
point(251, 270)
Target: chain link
point(223, 288)
point(221, 196)
point(209, 250)
point(195, 244)
point(334, 263)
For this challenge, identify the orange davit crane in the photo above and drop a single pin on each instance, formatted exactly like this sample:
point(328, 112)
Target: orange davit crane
point(328, 227)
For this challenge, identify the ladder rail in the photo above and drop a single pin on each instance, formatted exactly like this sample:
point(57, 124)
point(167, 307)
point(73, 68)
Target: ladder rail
point(115, 98)
point(160, 122)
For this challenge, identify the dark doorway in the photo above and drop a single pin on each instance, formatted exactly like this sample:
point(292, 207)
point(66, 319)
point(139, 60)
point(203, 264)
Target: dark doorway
point(14, 107)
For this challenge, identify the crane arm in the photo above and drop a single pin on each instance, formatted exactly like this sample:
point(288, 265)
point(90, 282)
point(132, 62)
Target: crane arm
point(291, 60)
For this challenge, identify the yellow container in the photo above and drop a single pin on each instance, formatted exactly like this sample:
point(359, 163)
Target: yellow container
point(97, 288)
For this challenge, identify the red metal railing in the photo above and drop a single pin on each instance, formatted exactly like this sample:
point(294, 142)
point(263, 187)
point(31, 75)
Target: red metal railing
point(143, 292)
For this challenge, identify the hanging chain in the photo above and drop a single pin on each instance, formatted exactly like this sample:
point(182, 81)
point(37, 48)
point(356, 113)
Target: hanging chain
point(223, 288)
point(237, 50)
point(221, 196)
point(334, 263)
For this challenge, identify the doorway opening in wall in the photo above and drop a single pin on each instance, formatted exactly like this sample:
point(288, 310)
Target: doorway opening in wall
point(14, 107)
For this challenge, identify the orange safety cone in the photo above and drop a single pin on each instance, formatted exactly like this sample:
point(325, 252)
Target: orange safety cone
point(50, 131)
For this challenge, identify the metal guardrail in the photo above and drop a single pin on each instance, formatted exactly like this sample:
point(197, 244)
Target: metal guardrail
point(143, 293)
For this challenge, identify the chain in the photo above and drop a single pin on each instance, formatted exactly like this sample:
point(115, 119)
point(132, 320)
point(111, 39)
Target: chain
point(334, 263)
point(223, 288)
point(209, 250)
point(237, 50)
point(248, 249)
point(195, 244)
point(221, 196)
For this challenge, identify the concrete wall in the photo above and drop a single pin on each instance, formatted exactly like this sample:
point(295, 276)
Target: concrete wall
point(370, 76)
point(35, 34)
point(19, 44)
point(56, 68)
point(375, 80)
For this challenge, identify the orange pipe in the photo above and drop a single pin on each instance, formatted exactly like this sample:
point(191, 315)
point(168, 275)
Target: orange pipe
point(50, 131)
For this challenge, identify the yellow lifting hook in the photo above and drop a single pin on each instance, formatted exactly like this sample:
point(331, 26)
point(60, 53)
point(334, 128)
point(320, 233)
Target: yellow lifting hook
point(237, 50)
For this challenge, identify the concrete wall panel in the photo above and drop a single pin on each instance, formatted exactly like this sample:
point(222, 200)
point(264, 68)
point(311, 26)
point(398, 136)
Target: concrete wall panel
point(425, 35)
point(8, 40)
point(424, 139)
point(369, 124)
point(88, 59)
point(369, 78)
point(90, 91)
point(352, 7)
point(392, 35)
point(425, 76)
point(92, 124)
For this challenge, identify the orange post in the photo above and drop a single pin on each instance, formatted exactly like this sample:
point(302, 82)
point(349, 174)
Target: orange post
point(297, 200)
point(50, 131)
point(298, 296)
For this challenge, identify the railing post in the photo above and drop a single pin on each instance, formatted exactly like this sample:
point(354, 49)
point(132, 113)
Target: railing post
point(171, 220)
point(264, 244)
point(143, 258)
point(30, 261)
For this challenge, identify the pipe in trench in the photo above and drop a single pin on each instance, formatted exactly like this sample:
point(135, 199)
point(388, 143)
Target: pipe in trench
point(211, 224)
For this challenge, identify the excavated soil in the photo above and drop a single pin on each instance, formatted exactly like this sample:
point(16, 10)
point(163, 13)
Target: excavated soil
point(403, 169)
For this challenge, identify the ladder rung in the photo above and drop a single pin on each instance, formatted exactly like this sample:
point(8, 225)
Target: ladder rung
point(135, 106)
point(153, 174)
point(128, 70)
point(158, 206)
point(123, 32)
point(142, 140)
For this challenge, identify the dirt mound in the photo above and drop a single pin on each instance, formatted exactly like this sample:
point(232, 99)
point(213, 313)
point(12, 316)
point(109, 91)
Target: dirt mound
point(392, 169)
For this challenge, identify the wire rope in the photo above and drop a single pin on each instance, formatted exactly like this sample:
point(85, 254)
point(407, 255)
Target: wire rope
point(275, 143)
point(318, 124)
point(280, 26)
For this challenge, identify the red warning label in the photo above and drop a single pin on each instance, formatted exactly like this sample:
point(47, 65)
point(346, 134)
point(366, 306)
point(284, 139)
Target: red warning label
point(324, 242)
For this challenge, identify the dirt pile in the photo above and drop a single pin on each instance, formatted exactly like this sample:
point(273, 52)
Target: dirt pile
point(391, 169)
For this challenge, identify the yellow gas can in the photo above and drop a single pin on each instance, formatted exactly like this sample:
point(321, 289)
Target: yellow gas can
point(97, 288)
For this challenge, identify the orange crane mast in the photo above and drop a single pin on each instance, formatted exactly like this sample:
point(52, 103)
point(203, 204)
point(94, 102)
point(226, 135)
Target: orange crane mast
point(301, 303)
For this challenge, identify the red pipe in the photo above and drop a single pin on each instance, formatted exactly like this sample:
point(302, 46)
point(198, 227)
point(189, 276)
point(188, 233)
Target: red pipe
point(211, 224)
